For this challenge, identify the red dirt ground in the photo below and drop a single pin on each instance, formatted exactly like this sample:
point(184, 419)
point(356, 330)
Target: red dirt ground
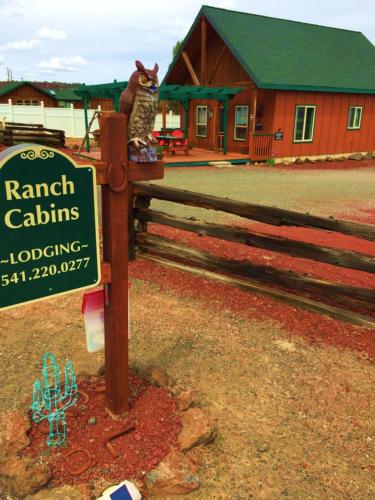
point(157, 424)
point(313, 327)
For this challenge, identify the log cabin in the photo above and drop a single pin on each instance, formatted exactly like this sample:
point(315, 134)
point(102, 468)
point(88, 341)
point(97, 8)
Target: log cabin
point(302, 90)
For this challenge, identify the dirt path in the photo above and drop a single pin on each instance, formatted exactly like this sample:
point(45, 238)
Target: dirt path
point(295, 420)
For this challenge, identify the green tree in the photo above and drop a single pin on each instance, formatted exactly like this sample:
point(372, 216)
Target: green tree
point(176, 48)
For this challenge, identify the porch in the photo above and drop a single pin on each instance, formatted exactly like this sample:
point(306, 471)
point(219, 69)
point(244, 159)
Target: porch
point(199, 157)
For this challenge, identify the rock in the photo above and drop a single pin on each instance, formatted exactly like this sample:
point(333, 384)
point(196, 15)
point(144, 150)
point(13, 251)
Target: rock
point(79, 492)
point(356, 156)
point(14, 427)
point(185, 399)
point(197, 428)
point(23, 475)
point(60, 493)
point(340, 158)
point(175, 475)
point(156, 376)
point(262, 447)
point(299, 160)
point(369, 155)
point(92, 421)
point(287, 163)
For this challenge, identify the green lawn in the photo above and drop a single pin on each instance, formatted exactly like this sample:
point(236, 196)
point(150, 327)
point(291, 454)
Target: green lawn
point(340, 193)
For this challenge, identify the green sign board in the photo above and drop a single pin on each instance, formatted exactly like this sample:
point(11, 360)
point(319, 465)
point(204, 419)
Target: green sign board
point(49, 241)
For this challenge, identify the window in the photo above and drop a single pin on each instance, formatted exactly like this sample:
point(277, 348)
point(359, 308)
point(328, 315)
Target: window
point(19, 102)
point(355, 117)
point(27, 102)
point(241, 123)
point(201, 121)
point(35, 103)
point(304, 123)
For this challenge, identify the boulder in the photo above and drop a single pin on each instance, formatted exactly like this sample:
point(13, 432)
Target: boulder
point(197, 428)
point(185, 398)
point(356, 156)
point(14, 427)
point(22, 476)
point(369, 155)
point(175, 475)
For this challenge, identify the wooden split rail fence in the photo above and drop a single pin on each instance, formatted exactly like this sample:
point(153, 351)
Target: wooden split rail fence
point(18, 133)
point(352, 304)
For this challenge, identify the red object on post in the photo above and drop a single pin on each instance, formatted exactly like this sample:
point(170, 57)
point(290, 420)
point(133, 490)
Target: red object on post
point(115, 251)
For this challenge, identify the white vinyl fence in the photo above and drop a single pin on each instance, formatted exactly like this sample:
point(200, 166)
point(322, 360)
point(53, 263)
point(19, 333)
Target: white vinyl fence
point(71, 120)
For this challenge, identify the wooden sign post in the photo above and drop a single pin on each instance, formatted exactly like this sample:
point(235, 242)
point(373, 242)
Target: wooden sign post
point(116, 203)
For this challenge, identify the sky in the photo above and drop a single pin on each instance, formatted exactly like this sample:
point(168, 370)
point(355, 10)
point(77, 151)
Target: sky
point(98, 41)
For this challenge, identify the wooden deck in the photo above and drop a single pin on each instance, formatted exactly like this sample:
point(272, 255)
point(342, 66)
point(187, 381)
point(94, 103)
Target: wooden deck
point(197, 157)
point(201, 157)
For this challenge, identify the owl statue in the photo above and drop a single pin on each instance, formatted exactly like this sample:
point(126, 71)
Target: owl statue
point(139, 101)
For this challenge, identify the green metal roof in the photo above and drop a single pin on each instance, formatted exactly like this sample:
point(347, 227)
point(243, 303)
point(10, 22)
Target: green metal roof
point(9, 87)
point(101, 90)
point(183, 93)
point(282, 54)
point(65, 95)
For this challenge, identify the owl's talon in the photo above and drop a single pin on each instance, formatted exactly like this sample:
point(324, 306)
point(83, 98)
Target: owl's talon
point(152, 139)
point(138, 143)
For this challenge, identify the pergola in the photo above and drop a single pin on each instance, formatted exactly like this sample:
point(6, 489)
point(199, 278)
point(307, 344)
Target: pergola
point(185, 94)
point(104, 90)
point(180, 93)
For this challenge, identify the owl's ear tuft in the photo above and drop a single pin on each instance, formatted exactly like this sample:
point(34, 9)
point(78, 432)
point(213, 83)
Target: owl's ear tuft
point(156, 67)
point(140, 66)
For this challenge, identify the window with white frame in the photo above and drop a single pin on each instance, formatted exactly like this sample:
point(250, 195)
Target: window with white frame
point(355, 117)
point(304, 123)
point(241, 123)
point(201, 121)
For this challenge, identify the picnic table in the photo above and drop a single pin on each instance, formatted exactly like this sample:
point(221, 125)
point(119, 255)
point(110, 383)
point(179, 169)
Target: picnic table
point(173, 143)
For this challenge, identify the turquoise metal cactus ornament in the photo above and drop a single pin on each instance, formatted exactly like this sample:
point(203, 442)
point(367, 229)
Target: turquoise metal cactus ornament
point(50, 401)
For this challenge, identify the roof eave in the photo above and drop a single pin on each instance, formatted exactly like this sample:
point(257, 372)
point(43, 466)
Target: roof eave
point(311, 88)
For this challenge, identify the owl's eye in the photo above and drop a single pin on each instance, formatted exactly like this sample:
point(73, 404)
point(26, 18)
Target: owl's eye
point(143, 79)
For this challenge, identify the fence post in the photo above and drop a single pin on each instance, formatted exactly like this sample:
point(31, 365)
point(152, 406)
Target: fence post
point(43, 113)
point(73, 120)
point(10, 110)
point(115, 251)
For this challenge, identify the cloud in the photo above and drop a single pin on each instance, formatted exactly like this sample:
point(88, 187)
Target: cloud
point(65, 63)
point(51, 34)
point(1, 60)
point(21, 45)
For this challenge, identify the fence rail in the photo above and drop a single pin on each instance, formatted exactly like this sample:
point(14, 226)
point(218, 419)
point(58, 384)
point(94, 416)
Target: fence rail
point(348, 303)
point(70, 119)
point(261, 146)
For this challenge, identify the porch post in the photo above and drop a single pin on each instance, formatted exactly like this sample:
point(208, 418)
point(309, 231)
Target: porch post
point(163, 115)
point(225, 128)
point(85, 106)
point(253, 119)
point(186, 117)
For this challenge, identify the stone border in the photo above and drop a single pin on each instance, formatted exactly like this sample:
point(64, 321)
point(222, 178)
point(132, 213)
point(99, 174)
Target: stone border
point(28, 478)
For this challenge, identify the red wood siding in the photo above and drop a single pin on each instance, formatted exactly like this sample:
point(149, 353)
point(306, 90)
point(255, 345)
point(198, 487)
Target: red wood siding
point(331, 135)
point(28, 92)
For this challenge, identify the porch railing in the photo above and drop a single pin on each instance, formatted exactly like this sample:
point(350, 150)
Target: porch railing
point(261, 146)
